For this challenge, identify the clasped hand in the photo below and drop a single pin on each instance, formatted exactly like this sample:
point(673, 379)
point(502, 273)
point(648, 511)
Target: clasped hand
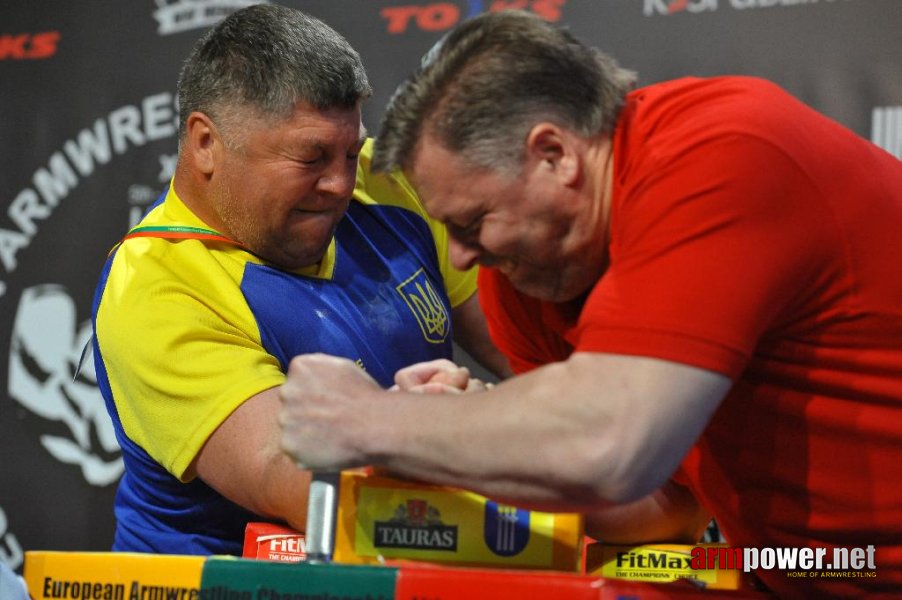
point(329, 409)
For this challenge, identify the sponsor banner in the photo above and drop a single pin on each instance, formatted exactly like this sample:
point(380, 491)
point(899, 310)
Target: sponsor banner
point(240, 579)
point(416, 582)
point(671, 7)
point(29, 46)
point(177, 16)
point(268, 541)
point(381, 518)
point(659, 563)
point(111, 576)
point(441, 16)
point(60, 222)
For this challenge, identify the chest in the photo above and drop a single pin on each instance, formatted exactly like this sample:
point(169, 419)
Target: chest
point(384, 306)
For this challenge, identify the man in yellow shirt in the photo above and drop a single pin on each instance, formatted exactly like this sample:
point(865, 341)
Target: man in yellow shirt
point(271, 241)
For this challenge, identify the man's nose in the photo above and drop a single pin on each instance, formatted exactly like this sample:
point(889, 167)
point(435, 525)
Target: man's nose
point(462, 255)
point(339, 179)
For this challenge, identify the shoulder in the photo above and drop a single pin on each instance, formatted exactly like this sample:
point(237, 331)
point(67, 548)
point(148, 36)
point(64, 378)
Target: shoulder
point(684, 111)
point(144, 271)
point(384, 189)
point(690, 92)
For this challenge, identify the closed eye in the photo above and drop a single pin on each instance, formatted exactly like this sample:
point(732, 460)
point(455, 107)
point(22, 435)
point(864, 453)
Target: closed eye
point(468, 231)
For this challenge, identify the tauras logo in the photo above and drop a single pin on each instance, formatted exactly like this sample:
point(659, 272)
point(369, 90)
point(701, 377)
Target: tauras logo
point(415, 525)
point(669, 7)
point(430, 537)
point(176, 16)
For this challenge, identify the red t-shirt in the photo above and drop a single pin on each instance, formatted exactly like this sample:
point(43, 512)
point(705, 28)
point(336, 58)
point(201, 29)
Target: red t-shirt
point(752, 237)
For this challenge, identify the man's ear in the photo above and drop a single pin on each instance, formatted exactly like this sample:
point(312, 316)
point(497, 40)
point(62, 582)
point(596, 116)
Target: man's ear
point(550, 146)
point(203, 142)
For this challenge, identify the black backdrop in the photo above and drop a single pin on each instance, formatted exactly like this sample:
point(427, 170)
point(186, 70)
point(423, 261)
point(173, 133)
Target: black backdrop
point(87, 140)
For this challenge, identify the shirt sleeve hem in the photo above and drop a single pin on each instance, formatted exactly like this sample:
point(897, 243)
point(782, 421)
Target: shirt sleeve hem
point(216, 417)
point(665, 345)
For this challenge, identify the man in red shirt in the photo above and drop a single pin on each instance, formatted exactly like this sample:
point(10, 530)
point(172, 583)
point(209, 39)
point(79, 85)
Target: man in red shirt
point(702, 278)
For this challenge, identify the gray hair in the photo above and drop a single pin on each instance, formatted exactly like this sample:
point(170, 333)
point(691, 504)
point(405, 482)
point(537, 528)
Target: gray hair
point(481, 89)
point(267, 58)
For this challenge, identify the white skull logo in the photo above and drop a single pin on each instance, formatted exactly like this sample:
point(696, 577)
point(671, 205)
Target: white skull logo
point(44, 377)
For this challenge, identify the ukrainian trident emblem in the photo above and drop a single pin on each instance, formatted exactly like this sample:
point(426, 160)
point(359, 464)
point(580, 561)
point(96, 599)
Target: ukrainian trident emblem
point(426, 305)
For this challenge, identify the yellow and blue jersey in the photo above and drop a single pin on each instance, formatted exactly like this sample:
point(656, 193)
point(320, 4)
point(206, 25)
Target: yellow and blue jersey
point(188, 329)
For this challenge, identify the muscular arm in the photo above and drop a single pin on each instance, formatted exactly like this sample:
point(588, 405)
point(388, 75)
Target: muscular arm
point(243, 462)
point(472, 334)
point(568, 436)
point(242, 459)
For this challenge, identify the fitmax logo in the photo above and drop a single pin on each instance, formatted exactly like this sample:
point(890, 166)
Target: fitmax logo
point(440, 16)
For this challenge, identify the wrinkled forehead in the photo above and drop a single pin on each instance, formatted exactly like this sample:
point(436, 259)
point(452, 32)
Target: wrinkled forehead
point(455, 192)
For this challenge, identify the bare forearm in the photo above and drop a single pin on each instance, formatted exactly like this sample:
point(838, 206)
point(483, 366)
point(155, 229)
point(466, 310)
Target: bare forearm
point(567, 436)
point(507, 443)
point(595, 428)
